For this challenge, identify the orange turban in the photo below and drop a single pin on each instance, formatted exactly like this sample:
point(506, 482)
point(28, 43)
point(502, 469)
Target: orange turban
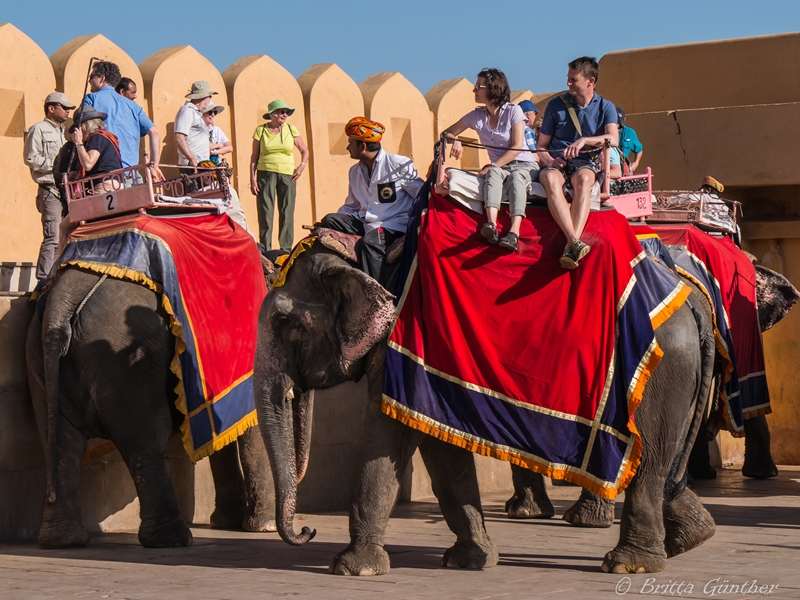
point(711, 182)
point(364, 130)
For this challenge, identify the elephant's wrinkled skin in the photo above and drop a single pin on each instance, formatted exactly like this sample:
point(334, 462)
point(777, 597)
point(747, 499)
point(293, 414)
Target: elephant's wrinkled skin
point(328, 324)
point(106, 373)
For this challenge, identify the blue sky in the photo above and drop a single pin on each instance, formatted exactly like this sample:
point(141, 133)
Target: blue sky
point(427, 41)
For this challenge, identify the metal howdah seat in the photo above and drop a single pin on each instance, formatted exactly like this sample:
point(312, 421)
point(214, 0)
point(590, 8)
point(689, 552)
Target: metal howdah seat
point(134, 189)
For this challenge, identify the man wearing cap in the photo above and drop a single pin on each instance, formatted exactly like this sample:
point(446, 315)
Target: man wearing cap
point(126, 119)
point(191, 133)
point(382, 188)
point(531, 112)
point(629, 145)
point(42, 143)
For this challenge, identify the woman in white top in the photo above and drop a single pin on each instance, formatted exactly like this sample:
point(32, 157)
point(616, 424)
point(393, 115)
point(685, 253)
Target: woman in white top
point(500, 126)
point(218, 142)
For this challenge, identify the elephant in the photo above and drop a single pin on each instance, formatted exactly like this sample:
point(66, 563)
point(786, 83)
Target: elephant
point(775, 297)
point(329, 323)
point(98, 365)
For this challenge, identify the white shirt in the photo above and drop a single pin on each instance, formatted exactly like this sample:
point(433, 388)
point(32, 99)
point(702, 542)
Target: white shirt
point(362, 196)
point(217, 136)
point(189, 122)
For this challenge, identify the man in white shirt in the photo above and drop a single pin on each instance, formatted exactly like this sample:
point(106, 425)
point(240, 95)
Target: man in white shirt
point(191, 132)
point(382, 189)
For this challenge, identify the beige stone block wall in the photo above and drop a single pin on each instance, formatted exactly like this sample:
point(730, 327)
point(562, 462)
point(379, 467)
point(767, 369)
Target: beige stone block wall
point(683, 146)
point(782, 342)
point(332, 98)
point(449, 100)
point(392, 100)
point(732, 72)
point(168, 76)
point(24, 84)
point(71, 64)
point(252, 83)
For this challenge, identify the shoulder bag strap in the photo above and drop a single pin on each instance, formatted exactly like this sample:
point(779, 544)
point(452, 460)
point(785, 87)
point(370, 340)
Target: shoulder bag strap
point(572, 115)
point(571, 110)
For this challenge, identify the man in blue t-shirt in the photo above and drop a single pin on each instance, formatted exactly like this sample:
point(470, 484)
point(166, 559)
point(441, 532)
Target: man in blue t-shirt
point(629, 145)
point(126, 119)
point(572, 124)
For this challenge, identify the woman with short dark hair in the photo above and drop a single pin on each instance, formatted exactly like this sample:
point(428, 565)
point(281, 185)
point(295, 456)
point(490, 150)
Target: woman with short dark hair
point(500, 126)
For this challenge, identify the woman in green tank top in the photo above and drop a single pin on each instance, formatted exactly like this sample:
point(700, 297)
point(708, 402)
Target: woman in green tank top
point(273, 175)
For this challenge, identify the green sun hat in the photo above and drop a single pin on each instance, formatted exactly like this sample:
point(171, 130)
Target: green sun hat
point(277, 105)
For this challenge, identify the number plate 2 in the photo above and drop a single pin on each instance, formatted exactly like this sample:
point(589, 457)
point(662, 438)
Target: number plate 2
point(110, 202)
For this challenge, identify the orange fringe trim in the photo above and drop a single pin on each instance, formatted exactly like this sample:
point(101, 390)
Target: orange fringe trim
point(608, 492)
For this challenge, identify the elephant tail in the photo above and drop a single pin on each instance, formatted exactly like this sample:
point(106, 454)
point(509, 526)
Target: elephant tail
point(676, 482)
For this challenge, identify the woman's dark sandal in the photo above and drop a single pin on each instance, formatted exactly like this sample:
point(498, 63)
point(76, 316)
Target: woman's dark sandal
point(567, 261)
point(489, 231)
point(510, 241)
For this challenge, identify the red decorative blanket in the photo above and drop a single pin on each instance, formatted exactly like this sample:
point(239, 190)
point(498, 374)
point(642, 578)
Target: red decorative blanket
point(208, 271)
point(509, 355)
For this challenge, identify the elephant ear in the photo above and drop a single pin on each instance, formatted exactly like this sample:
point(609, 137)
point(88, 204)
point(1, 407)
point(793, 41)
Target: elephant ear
point(364, 310)
point(775, 296)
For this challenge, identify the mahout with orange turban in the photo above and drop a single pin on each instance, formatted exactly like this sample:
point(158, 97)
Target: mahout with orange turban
point(364, 130)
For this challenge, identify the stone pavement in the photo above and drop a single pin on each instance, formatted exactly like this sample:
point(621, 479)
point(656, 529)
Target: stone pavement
point(758, 539)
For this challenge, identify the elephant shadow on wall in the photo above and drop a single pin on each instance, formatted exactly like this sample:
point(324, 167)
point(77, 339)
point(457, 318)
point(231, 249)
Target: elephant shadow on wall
point(109, 499)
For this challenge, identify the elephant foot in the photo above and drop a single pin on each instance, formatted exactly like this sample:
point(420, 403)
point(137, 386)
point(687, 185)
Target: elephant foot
point(590, 511)
point(624, 559)
point(759, 469)
point(363, 561)
point(687, 524)
point(528, 506)
point(56, 535)
point(228, 519)
point(758, 462)
point(259, 523)
point(165, 534)
point(471, 555)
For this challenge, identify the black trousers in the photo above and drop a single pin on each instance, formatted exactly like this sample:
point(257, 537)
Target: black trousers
point(372, 247)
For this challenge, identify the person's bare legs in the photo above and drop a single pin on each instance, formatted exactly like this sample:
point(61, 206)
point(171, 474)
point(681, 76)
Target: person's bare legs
point(582, 182)
point(553, 183)
point(491, 215)
point(516, 222)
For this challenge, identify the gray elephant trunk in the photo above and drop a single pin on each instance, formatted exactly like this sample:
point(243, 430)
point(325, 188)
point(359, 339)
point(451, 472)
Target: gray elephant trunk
point(287, 438)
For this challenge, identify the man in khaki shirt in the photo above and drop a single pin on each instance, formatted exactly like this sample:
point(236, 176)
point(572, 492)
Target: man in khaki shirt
point(42, 143)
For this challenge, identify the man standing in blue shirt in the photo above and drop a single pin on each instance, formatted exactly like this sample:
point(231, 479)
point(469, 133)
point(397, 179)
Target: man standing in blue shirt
point(578, 120)
point(629, 145)
point(126, 119)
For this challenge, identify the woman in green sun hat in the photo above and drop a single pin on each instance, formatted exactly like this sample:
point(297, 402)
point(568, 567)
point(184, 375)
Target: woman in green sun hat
point(273, 174)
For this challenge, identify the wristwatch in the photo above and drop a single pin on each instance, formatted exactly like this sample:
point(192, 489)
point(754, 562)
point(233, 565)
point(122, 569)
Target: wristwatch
point(494, 164)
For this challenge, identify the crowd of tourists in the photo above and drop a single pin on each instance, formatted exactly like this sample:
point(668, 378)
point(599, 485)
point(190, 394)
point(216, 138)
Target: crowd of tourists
point(559, 149)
